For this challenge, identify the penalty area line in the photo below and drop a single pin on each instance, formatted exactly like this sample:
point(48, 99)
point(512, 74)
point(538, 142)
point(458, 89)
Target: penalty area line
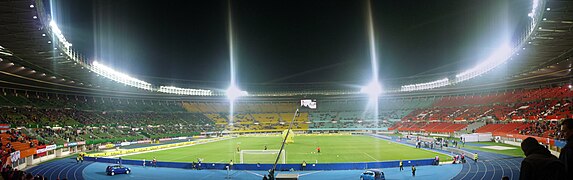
point(370, 156)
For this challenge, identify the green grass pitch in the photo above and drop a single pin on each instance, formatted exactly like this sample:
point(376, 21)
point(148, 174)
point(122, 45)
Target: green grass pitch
point(334, 149)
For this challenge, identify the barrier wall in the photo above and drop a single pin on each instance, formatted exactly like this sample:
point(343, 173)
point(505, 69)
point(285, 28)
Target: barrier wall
point(280, 167)
point(542, 140)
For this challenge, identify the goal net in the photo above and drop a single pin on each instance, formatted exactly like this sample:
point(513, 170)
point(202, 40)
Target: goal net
point(262, 156)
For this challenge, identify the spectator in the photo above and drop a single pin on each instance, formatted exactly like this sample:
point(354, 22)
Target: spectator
point(566, 155)
point(539, 163)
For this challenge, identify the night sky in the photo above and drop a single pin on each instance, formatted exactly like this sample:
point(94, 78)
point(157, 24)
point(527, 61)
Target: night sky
point(290, 41)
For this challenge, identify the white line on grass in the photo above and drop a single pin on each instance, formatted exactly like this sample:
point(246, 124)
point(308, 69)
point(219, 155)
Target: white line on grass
point(371, 156)
point(129, 154)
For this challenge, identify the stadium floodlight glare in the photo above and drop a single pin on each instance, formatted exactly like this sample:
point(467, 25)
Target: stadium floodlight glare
point(185, 91)
point(373, 89)
point(6, 53)
point(233, 92)
point(498, 57)
point(109, 73)
point(58, 33)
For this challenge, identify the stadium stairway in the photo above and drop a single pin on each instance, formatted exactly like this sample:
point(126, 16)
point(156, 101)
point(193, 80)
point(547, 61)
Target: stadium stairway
point(473, 126)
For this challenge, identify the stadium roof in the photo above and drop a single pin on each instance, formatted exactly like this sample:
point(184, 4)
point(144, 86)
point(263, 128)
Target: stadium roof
point(28, 42)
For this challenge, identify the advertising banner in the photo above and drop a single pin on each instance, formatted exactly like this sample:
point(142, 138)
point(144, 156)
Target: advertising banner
point(15, 156)
point(51, 147)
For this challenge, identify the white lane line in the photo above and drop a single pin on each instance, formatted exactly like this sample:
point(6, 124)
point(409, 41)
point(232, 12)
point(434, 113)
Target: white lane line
point(485, 173)
point(254, 173)
point(477, 171)
point(469, 170)
point(309, 173)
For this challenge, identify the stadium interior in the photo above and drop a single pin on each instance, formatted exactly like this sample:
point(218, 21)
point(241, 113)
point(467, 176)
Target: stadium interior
point(56, 103)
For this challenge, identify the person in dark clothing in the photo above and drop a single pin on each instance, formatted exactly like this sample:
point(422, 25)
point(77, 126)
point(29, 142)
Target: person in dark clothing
point(566, 155)
point(539, 163)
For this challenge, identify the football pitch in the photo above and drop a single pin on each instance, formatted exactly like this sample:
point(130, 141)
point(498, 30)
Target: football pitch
point(334, 149)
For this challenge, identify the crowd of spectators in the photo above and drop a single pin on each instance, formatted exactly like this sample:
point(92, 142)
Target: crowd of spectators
point(548, 129)
point(60, 119)
point(12, 173)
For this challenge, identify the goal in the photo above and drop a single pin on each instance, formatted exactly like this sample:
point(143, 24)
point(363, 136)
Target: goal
point(262, 156)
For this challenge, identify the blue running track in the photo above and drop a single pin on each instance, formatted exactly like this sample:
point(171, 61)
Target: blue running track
point(60, 169)
point(490, 166)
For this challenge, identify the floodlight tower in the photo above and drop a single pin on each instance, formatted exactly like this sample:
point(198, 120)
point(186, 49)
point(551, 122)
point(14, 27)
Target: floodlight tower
point(373, 89)
point(233, 92)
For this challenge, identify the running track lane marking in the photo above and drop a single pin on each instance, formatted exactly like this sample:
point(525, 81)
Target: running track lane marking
point(309, 173)
point(254, 173)
point(469, 170)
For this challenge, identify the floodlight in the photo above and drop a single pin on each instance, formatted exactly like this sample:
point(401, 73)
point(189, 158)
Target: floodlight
point(233, 92)
point(570, 86)
point(373, 89)
point(35, 17)
point(31, 6)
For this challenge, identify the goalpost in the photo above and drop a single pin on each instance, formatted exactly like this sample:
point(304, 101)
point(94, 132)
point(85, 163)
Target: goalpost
point(261, 156)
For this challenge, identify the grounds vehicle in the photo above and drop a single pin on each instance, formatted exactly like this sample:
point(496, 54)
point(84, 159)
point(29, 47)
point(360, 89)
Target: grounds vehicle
point(117, 169)
point(372, 174)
